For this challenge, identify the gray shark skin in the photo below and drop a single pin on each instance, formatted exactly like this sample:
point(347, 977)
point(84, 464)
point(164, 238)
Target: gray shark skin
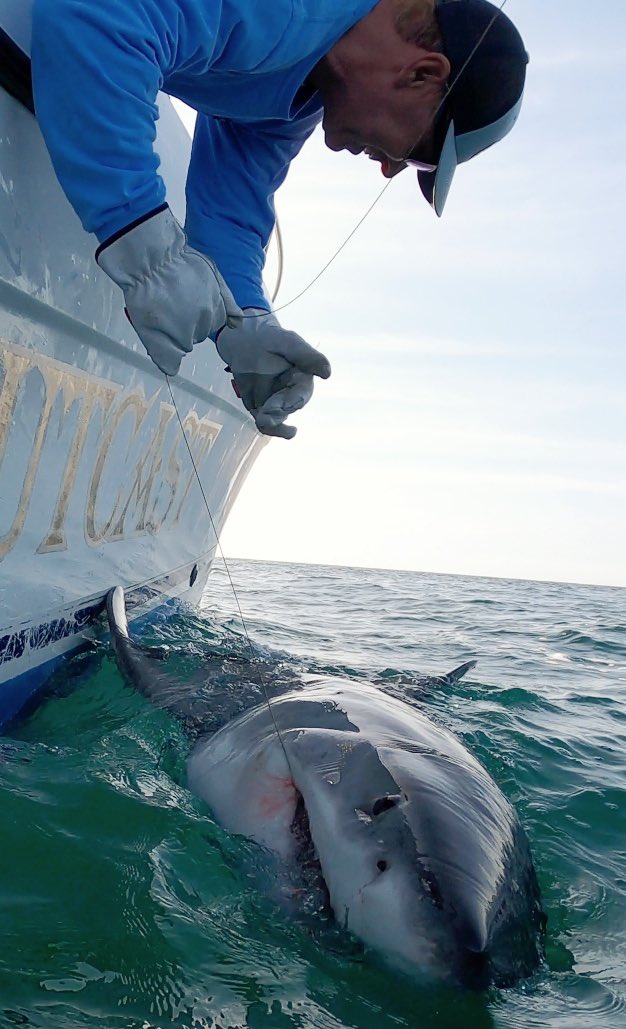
point(424, 859)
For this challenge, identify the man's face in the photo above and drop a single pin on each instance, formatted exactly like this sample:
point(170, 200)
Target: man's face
point(383, 118)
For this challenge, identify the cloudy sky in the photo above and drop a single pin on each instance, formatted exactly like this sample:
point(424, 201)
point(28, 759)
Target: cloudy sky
point(475, 421)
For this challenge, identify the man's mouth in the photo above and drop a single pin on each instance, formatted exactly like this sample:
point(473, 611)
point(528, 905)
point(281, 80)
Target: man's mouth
point(388, 167)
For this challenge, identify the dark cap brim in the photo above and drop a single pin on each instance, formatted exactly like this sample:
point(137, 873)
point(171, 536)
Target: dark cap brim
point(436, 185)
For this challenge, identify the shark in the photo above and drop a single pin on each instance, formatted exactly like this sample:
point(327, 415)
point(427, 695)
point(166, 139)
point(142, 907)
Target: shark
point(421, 856)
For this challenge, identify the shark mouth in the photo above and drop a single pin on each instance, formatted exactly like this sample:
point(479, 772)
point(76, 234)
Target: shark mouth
point(314, 911)
point(310, 883)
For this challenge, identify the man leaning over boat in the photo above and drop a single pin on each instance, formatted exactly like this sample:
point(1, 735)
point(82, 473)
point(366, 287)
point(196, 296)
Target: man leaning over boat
point(421, 83)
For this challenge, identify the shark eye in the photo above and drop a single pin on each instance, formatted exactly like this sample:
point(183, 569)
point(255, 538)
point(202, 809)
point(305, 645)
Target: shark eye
point(383, 804)
point(381, 866)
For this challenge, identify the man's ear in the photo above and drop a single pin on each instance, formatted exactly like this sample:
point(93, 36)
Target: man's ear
point(429, 68)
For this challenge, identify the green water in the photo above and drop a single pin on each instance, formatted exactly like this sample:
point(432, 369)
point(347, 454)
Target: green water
point(125, 905)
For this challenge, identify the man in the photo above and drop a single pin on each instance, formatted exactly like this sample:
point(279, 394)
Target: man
point(428, 83)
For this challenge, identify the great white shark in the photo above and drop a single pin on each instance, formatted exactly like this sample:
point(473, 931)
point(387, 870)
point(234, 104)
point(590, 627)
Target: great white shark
point(423, 858)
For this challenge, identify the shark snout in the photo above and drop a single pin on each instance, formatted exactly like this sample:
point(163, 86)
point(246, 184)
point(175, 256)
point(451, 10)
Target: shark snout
point(471, 931)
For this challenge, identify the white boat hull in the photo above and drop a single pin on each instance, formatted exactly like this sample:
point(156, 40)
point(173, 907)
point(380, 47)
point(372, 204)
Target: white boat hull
point(96, 484)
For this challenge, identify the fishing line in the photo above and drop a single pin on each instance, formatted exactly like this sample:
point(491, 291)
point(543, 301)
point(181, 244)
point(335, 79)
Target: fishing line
point(255, 661)
point(282, 307)
point(331, 260)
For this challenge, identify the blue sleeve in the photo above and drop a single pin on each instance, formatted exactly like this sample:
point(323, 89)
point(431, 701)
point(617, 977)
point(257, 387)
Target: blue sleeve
point(234, 172)
point(97, 68)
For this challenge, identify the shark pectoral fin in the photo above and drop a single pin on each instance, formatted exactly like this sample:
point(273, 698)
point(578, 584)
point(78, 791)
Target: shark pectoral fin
point(428, 682)
point(456, 674)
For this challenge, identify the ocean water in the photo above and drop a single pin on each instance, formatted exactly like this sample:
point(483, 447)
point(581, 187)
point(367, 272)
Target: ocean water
point(124, 905)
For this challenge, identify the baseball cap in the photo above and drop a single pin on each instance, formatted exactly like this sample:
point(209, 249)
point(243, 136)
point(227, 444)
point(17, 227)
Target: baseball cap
point(485, 88)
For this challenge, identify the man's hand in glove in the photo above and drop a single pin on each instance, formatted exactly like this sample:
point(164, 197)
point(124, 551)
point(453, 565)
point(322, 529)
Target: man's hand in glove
point(272, 369)
point(175, 296)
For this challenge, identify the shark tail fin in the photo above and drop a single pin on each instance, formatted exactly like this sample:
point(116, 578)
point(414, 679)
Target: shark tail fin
point(118, 624)
point(116, 612)
point(146, 668)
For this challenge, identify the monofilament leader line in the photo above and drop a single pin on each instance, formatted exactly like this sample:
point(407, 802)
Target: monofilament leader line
point(255, 661)
point(282, 308)
point(331, 260)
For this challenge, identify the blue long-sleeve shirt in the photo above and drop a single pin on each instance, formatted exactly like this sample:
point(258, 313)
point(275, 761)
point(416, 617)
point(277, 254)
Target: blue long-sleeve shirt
point(97, 68)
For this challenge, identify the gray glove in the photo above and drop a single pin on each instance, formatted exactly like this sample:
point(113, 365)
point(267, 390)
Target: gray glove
point(175, 296)
point(272, 369)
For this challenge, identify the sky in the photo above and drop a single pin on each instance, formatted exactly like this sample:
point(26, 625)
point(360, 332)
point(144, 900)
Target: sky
point(475, 420)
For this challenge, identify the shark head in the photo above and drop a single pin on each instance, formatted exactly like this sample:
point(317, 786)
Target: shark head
point(416, 852)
